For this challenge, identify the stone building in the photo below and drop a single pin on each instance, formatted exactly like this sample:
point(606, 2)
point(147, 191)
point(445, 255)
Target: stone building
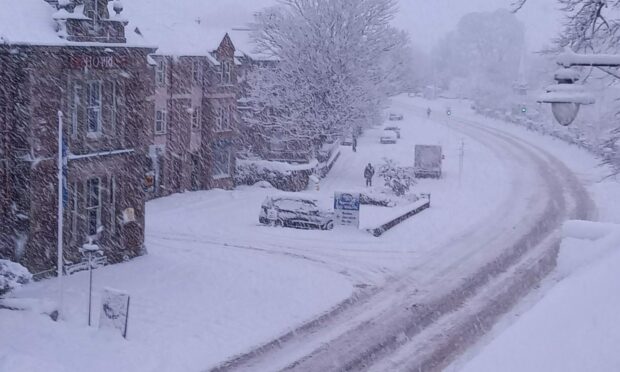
point(79, 59)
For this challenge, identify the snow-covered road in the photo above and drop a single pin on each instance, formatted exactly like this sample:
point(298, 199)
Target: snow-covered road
point(453, 289)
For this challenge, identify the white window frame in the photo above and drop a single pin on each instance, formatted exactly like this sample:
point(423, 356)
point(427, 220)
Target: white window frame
point(231, 116)
point(93, 208)
point(93, 107)
point(76, 99)
point(197, 72)
point(113, 115)
point(161, 120)
point(196, 118)
point(112, 192)
point(226, 116)
point(219, 119)
point(217, 173)
point(74, 211)
point(226, 75)
point(160, 72)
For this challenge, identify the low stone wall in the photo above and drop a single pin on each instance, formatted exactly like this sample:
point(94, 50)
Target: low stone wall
point(380, 230)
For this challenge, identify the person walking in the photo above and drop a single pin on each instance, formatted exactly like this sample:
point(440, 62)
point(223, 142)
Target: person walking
point(428, 112)
point(369, 172)
point(354, 144)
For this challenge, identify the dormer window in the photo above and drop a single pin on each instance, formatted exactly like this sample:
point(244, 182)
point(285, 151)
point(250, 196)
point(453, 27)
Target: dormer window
point(160, 72)
point(226, 76)
point(197, 73)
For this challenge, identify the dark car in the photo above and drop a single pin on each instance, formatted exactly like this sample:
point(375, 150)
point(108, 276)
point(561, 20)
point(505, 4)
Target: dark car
point(293, 211)
point(393, 128)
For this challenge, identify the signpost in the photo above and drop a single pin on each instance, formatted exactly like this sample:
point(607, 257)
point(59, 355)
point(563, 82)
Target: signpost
point(347, 209)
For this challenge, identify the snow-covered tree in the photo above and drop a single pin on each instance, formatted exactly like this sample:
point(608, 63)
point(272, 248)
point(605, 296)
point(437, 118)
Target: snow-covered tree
point(483, 54)
point(593, 26)
point(338, 60)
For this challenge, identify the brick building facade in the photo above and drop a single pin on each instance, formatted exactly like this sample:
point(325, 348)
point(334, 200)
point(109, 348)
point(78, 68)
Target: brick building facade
point(91, 71)
point(195, 120)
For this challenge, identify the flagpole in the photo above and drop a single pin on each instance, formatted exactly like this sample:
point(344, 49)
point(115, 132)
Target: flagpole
point(60, 211)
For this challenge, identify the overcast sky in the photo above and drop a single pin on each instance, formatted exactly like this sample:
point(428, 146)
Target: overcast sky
point(426, 20)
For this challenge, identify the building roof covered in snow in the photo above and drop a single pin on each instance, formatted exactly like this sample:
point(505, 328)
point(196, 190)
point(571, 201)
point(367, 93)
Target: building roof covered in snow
point(177, 27)
point(188, 27)
point(34, 22)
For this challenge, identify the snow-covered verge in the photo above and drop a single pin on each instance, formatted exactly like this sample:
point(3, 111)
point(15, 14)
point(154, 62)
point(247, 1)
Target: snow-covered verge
point(574, 327)
point(12, 275)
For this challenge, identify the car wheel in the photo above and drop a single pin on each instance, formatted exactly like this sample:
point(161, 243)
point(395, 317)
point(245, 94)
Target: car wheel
point(328, 226)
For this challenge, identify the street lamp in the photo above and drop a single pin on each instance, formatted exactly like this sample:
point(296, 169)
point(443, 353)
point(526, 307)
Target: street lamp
point(566, 98)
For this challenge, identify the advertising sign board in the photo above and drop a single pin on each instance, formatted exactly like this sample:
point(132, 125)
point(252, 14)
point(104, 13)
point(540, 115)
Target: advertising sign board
point(347, 209)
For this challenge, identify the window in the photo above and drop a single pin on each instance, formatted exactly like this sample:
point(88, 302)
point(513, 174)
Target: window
point(160, 121)
point(221, 166)
point(160, 72)
point(93, 111)
point(197, 73)
point(196, 115)
point(226, 118)
point(219, 119)
point(93, 205)
point(226, 73)
point(231, 116)
point(74, 210)
point(113, 115)
point(75, 107)
point(112, 192)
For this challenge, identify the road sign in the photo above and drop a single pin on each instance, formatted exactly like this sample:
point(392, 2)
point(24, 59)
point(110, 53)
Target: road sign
point(347, 209)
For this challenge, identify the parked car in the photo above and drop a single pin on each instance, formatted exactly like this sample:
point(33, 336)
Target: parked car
point(347, 141)
point(293, 211)
point(388, 137)
point(395, 129)
point(395, 117)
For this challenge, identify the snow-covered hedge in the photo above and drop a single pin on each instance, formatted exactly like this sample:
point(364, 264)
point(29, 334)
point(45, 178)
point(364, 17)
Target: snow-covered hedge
point(283, 176)
point(12, 276)
point(608, 151)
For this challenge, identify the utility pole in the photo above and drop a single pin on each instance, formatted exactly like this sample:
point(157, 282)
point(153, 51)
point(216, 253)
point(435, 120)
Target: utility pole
point(60, 210)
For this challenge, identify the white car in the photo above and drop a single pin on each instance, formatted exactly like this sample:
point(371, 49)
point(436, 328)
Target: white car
point(388, 137)
point(295, 211)
point(395, 117)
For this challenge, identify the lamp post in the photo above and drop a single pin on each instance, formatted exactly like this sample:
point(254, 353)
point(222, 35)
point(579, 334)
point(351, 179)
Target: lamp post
point(566, 98)
point(90, 248)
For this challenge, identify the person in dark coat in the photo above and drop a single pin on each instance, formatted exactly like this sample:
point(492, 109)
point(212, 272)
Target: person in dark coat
point(354, 144)
point(369, 172)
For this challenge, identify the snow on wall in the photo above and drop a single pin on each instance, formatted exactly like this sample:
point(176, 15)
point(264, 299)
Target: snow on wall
point(575, 326)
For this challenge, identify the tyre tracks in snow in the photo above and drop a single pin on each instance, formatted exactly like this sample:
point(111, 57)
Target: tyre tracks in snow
point(443, 311)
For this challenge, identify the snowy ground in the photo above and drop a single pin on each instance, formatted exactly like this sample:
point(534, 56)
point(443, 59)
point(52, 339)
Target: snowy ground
point(570, 323)
point(216, 283)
